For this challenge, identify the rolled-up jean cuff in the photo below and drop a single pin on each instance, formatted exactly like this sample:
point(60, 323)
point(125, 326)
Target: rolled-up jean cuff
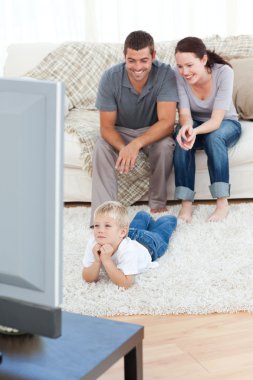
point(184, 193)
point(220, 190)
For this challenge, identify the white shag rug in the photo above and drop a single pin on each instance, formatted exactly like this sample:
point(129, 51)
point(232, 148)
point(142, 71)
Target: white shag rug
point(207, 268)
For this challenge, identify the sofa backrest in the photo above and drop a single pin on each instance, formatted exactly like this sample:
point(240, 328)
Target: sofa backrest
point(21, 58)
point(80, 65)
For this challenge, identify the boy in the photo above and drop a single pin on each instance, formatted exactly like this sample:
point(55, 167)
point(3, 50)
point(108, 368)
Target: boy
point(124, 250)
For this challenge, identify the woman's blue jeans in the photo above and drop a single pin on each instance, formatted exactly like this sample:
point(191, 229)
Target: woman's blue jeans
point(153, 234)
point(216, 146)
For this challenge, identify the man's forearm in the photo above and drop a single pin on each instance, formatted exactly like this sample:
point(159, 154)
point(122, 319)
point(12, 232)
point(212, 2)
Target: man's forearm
point(156, 132)
point(112, 137)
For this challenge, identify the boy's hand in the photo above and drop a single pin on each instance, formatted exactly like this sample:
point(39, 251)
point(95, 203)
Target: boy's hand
point(106, 252)
point(96, 252)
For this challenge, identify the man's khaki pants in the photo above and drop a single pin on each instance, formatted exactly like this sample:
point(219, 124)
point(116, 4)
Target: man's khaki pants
point(104, 176)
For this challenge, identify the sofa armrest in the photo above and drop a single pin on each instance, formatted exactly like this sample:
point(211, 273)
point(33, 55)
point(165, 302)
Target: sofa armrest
point(23, 57)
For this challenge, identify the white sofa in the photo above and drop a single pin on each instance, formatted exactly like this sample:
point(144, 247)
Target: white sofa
point(77, 181)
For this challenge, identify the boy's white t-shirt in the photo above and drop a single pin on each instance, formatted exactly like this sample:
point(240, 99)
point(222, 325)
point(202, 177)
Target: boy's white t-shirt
point(131, 257)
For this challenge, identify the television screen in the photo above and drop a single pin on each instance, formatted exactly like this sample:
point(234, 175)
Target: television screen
point(31, 205)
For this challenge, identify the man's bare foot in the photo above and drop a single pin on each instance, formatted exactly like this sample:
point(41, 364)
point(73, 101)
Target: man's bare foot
point(220, 212)
point(157, 210)
point(185, 213)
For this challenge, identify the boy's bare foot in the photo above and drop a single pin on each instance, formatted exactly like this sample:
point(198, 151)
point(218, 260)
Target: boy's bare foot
point(220, 212)
point(185, 213)
point(157, 210)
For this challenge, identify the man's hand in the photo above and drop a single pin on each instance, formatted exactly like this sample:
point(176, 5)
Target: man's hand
point(127, 157)
point(186, 137)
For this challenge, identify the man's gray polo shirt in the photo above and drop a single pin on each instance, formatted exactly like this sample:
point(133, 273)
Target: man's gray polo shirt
point(134, 111)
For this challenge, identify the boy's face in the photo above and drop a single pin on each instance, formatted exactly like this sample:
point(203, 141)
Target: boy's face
point(107, 231)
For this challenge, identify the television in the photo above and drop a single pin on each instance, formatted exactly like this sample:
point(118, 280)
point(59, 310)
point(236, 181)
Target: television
point(31, 205)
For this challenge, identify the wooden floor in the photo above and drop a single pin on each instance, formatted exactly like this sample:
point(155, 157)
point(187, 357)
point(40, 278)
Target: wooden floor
point(190, 347)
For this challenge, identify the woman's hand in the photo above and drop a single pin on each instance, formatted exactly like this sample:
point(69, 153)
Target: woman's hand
point(186, 137)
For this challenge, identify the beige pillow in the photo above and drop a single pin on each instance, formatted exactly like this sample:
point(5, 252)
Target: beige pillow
point(243, 86)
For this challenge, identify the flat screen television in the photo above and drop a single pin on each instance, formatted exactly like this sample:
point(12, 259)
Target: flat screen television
point(31, 205)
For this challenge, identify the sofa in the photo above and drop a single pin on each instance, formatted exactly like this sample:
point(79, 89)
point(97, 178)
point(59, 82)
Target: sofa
point(80, 65)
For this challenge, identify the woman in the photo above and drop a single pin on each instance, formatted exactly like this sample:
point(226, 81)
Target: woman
point(208, 120)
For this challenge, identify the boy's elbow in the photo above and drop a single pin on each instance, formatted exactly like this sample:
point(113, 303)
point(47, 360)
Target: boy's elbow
point(87, 277)
point(129, 280)
point(84, 275)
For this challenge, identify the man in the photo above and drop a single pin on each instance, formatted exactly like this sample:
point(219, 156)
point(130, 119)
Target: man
point(137, 102)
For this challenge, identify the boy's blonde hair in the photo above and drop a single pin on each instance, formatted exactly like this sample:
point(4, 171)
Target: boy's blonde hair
point(114, 210)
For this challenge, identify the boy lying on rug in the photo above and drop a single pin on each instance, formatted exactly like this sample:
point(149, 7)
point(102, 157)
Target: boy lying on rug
point(125, 250)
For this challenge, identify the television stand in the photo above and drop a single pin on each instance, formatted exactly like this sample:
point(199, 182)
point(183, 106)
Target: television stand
point(87, 347)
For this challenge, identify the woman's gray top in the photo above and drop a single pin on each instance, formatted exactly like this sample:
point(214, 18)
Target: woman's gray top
point(220, 98)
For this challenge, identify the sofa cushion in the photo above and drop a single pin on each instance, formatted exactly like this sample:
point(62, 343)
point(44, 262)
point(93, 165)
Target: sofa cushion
point(72, 151)
point(83, 125)
point(243, 87)
point(232, 46)
point(240, 154)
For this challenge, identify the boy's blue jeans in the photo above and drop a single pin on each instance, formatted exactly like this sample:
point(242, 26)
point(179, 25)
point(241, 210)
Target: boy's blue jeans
point(153, 234)
point(216, 146)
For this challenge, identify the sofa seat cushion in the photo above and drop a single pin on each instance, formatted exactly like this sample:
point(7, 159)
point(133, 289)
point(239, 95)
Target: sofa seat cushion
point(239, 154)
point(83, 126)
point(72, 151)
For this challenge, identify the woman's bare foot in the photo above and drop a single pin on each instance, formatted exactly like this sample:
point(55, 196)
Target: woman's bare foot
point(185, 213)
point(157, 210)
point(220, 212)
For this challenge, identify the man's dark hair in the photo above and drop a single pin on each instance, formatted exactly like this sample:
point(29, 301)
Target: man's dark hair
point(138, 40)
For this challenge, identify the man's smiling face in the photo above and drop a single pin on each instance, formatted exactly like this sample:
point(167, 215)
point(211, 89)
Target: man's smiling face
point(139, 64)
